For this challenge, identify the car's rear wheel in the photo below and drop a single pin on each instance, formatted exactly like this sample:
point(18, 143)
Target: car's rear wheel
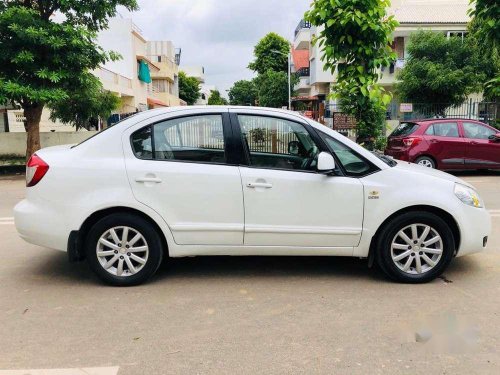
point(426, 161)
point(124, 249)
point(415, 247)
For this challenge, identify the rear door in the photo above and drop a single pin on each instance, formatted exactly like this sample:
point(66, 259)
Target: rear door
point(180, 167)
point(446, 145)
point(481, 152)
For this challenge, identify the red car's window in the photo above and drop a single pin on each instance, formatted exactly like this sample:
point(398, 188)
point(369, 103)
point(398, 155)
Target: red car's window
point(476, 131)
point(443, 129)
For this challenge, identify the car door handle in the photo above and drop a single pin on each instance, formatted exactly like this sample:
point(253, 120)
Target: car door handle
point(148, 179)
point(265, 185)
point(473, 143)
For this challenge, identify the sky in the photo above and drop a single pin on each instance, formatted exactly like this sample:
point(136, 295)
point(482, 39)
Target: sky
point(219, 35)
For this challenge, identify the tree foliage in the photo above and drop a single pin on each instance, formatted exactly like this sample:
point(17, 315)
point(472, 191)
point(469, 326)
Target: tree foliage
point(272, 88)
point(215, 98)
point(484, 35)
point(41, 60)
point(267, 56)
point(440, 71)
point(189, 88)
point(355, 42)
point(243, 93)
point(88, 103)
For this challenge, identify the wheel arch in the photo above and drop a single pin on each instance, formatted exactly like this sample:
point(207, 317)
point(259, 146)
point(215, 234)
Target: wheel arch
point(76, 242)
point(446, 216)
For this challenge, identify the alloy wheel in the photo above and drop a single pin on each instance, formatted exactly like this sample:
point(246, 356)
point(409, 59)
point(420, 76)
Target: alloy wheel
point(122, 251)
point(426, 163)
point(416, 249)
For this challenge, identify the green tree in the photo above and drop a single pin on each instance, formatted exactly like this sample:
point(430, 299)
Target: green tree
point(484, 35)
point(189, 88)
point(216, 99)
point(265, 56)
point(88, 103)
point(440, 71)
point(355, 42)
point(243, 93)
point(272, 88)
point(41, 59)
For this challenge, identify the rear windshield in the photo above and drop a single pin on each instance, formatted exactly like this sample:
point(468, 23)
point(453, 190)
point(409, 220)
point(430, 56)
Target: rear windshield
point(405, 128)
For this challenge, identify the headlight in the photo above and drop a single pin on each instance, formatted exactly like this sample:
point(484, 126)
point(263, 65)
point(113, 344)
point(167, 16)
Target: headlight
point(468, 196)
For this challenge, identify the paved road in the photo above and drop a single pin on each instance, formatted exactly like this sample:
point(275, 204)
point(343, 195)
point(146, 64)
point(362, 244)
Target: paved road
point(247, 315)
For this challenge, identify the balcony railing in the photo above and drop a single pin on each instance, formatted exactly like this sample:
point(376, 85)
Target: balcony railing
point(303, 72)
point(302, 25)
point(108, 76)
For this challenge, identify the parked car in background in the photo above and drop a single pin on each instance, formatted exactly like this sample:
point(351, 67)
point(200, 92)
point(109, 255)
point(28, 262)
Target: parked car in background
point(446, 144)
point(190, 181)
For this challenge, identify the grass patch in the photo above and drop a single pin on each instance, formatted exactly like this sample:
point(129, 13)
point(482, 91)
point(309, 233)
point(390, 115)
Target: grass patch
point(11, 159)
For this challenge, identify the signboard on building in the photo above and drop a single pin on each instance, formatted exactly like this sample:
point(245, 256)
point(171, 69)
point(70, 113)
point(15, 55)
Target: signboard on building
point(341, 121)
point(406, 107)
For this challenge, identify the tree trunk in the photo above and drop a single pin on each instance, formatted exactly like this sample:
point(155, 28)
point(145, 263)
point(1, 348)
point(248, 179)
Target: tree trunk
point(33, 114)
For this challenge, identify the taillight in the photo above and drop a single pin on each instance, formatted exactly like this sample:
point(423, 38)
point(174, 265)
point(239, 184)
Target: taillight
point(35, 170)
point(411, 141)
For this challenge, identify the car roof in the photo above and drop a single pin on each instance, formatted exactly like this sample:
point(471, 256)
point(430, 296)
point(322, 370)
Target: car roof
point(425, 120)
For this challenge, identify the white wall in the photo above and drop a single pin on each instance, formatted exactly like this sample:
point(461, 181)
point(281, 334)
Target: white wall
point(15, 143)
point(118, 38)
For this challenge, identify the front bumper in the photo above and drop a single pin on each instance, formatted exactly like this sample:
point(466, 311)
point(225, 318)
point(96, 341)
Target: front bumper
point(474, 225)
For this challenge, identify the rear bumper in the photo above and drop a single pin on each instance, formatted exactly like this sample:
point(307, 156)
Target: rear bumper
point(40, 224)
point(397, 154)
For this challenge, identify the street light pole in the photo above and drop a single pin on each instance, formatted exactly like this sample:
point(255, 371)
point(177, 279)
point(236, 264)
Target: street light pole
point(289, 81)
point(289, 57)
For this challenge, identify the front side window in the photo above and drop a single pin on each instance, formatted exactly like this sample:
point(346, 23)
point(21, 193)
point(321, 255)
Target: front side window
point(354, 164)
point(476, 131)
point(443, 129)
point(194, 138)
point(278, 143)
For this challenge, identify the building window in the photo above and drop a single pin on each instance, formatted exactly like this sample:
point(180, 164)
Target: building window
point(459, 34)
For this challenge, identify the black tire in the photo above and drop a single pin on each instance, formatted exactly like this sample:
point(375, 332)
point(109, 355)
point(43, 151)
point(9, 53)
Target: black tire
point(137, 223)
point(388, 233)
point(428, 160)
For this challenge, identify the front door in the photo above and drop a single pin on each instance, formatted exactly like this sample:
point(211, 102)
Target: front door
point(481, 152)
point(287, 203)
point(179, 168)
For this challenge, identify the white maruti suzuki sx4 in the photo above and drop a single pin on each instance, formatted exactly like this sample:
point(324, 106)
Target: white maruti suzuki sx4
point(242, 181)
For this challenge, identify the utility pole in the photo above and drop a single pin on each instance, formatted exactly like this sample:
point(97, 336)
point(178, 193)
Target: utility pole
point(289, 56)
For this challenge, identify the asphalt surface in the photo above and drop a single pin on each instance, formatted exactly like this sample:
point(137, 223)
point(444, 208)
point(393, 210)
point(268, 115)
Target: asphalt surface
point(222, 315)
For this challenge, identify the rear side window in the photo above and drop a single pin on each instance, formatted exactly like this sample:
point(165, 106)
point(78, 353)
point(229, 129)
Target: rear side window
point(404, 129)
point(443, 129)
point(194, 139)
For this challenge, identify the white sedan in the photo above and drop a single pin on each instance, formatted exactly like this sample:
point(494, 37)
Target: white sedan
point(242, 181)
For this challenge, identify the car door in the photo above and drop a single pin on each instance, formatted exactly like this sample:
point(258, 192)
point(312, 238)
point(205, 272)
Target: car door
point(481, 152)
point(446, 145)
point(180, 167)
point(287, 203)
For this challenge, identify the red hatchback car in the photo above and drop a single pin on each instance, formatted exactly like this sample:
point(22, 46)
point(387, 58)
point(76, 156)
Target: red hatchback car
point(446, 144)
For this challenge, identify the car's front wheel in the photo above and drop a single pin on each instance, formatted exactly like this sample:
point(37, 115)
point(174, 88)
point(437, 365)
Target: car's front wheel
point(415, 247)
point(124, 249)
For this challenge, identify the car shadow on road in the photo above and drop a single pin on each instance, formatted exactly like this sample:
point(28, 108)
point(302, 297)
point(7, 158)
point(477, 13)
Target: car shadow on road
point(55, 268)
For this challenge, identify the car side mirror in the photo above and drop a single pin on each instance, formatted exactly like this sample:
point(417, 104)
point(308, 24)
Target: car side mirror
point(326, 163)
point(494, 137)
